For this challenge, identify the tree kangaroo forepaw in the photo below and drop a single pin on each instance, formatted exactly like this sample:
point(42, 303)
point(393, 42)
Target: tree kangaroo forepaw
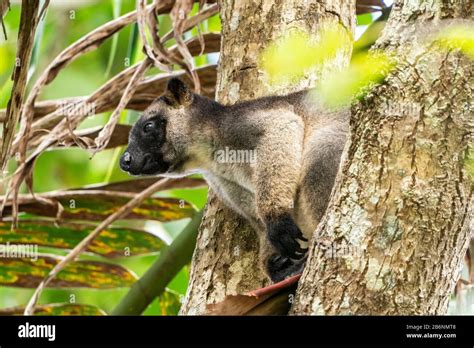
point(280, 267)
point(285, 235)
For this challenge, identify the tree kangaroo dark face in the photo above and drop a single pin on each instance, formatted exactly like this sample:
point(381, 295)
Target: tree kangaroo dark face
point(144, 155)
point(157, 142)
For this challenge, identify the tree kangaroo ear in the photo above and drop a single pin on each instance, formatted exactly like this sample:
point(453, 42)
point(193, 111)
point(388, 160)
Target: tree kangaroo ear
point(177, 93)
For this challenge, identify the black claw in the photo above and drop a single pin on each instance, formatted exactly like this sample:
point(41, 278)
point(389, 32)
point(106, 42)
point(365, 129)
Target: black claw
point(284, 234)
point(280, 267)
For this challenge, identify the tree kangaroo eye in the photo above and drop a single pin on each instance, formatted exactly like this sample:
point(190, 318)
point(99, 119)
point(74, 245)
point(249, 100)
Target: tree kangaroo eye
point(148, 127)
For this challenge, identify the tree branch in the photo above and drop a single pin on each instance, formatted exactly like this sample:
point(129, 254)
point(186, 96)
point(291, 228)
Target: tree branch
point(26, 37)
point(154, 281)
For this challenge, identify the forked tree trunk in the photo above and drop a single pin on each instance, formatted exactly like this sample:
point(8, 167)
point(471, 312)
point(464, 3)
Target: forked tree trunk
point(396, 231)
point(225, 261)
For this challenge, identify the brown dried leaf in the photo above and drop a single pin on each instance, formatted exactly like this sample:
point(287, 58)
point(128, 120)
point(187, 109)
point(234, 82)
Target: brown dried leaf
point(235, 305)
point(86, 44)
point(179, 15)
point(142, 16)
point(146, 91)
point(153, 26)
point(119, 136)
point(193, 21)
point(104, 136)
point(26, 35)
point(270, 300)
point(4, 6)
point(271, 289)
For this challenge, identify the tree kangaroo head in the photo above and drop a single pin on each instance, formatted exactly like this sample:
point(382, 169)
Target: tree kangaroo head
point(159, 140)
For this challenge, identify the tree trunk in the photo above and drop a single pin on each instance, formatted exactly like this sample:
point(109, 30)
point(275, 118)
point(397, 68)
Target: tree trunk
point(226, 261)
point(400, 218)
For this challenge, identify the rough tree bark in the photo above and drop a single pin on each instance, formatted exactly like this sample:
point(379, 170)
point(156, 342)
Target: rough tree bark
point(396, 231)
point(225, 261)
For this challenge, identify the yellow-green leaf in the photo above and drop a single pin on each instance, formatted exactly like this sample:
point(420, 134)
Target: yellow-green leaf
point(458, 37)
point(57, 309)
point(95, 205)
point(138, 185)
point(364, 19)
point(112, 242)
point(366, 69)
point(169, 303)
point(31, 269)
point(288, 58)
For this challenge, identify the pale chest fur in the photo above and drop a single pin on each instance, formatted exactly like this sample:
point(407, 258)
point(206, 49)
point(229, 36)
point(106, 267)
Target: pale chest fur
point(242, 175)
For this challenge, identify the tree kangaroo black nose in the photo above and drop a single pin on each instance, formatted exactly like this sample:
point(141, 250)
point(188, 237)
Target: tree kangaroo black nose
point(125, 161)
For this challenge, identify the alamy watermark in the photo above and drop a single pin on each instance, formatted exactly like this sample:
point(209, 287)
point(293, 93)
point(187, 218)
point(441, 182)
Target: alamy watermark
point(333, 250)
point(19, 251)
point(402, 109)
point(228, 155)
point(77, 108)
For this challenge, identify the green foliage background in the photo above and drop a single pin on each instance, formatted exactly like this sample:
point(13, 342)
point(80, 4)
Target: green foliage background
point(65, 23)
point(68, 21)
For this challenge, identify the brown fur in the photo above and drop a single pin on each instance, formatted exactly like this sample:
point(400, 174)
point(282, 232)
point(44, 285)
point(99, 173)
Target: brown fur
point(297, 144)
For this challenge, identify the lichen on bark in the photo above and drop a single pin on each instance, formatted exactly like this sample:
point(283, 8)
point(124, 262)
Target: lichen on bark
point(403, 201)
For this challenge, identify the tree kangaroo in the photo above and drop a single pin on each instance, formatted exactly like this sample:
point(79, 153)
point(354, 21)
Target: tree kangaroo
point(273, 160)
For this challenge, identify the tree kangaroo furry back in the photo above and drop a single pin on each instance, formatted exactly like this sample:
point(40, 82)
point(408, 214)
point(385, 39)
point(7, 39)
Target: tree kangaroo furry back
point(273, 160)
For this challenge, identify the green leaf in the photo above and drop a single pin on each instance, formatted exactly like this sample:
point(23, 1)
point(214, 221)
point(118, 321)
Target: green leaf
point(35, 54)
point(214, 24)
point(460, 36)
point(364, 19)
point(365, 70)
point(133, 44)
point(5, 68)
point(111, 242)
point(116, 7)
point(372, 33)
point(290, 57)
point(57, 309)
point(95, 205)
point(29, 272)
point(169, 303)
